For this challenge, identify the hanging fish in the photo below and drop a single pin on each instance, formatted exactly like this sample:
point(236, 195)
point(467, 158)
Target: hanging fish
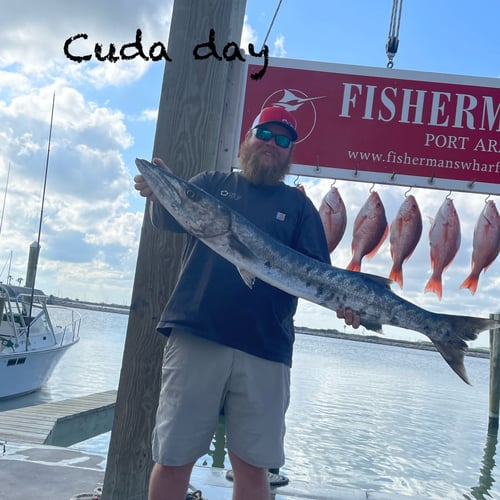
point(369, 231)
point(485, 244)
point(404, 234)
point(334, 217)
point(444, 240)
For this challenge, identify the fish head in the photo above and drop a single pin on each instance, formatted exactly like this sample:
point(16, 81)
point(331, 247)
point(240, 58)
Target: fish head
point(373, 207)
point(195, 210)
point(447, 214)
point(333, 199)
point(490, 211)
point(409, 208)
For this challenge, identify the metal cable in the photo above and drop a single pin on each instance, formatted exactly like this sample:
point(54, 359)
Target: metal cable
point(391, 47)
point(271, 25)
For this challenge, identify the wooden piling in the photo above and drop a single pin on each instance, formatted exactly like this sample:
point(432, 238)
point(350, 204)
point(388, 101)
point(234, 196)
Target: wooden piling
point(193, 114)
point(494, 377)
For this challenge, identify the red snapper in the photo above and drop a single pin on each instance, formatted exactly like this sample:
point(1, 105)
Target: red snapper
point(369, 232)
point(444, 240)
point(334, 217)
point(485, 244)
point(404, 234)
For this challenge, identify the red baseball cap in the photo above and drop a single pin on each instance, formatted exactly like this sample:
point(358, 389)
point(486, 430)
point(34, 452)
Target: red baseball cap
point(279, 115)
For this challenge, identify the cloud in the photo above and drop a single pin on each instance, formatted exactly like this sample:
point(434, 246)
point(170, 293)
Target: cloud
point(279, 47)
point(89, 231)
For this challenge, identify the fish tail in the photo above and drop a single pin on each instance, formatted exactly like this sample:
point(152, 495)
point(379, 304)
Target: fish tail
point(461, 329)
point(354, 265)
point(435, 285)
point(471, 283)
point(396, 275)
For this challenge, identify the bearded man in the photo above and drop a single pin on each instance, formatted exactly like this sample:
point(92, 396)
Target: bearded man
point(229, 347)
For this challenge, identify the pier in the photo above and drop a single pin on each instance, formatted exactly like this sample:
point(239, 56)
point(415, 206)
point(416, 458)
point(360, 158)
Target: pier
point(60, 423)
point(35, 440)
point(44, 472)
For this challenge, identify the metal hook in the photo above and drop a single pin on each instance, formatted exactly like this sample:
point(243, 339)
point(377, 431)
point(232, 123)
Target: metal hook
point(295, 182)
point(333, 183)
point(371, 189)
point(448, 196)
point(407, 191)
point(393, 176)
point(487, 198)
point(317, 168)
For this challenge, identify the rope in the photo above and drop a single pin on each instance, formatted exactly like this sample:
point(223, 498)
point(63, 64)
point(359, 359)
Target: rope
point(272, 22)
point(391, 47)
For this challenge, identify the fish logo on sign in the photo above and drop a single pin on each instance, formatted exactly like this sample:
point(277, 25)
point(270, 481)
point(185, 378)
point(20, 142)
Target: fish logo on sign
point(300, 104)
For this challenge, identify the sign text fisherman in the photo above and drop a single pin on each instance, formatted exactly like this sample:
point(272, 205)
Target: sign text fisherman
point(385, 125)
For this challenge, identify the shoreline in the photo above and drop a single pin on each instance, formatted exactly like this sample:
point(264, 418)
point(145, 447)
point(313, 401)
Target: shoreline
point(374, 339)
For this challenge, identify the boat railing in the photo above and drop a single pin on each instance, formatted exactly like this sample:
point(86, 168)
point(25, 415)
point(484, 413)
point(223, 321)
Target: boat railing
point(68, 324)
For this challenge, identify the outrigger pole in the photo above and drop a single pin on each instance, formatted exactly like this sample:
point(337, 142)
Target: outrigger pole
point(37, 250)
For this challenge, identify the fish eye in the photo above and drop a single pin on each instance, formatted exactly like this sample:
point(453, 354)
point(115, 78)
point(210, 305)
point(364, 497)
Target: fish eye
point(191, 194)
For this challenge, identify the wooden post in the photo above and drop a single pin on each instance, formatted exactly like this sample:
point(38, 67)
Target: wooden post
point(188, 138)
point(494, 376)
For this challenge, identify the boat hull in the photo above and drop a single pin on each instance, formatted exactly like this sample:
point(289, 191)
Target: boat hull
point(25, 372)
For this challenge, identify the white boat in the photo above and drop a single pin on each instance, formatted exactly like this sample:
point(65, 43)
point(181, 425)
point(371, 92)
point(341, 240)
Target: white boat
point(31, 343)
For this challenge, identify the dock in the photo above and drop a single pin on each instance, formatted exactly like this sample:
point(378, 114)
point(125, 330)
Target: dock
point(34, 444)
point(44, 472)
point(60, 423)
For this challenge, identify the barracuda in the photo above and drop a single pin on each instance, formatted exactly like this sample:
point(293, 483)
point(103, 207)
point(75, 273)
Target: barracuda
point(257, 255)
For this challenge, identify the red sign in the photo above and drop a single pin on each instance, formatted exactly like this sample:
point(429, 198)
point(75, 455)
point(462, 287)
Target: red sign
point(385, 125)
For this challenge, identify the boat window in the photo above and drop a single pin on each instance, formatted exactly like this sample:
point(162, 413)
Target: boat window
point(16, 361)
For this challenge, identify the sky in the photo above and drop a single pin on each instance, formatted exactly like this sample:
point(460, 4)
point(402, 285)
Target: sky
point(104, 117)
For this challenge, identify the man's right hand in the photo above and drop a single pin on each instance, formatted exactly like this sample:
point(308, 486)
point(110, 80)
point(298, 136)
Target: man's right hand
point(143, 187)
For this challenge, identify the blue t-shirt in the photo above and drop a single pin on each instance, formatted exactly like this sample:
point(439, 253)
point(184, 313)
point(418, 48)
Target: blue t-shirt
point(211, 299)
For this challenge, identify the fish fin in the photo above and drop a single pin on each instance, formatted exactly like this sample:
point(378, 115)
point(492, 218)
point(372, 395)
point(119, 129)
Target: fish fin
point(471, 283)
point(434, 285)
point(453, 344)
point(240, 247)
point(379, 244)
point(247, 277)
point(453, 352)
point(373, 325)
point(237, 245)
point(397, 276)
point(354, 265)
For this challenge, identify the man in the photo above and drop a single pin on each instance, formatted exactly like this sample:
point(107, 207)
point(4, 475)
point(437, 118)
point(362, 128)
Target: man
point(229, 347)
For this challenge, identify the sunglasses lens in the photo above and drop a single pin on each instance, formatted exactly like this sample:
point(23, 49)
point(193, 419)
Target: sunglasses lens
point(263, 134)
point(282, 140)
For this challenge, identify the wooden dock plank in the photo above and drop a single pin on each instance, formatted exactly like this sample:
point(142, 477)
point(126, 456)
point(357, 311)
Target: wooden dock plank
point(60, 423)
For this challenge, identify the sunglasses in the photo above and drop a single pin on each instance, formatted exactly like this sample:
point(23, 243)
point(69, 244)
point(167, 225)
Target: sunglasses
point(265, 134)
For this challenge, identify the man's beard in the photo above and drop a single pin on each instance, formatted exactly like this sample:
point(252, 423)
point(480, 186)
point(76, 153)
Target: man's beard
point(258, 174)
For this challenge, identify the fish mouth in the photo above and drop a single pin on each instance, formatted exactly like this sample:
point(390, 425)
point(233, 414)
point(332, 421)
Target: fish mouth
point(171, 184)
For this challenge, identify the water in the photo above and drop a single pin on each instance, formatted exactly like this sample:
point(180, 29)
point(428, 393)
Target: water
point(362, 415)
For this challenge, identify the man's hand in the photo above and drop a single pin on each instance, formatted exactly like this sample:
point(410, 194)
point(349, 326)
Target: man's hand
point(349, 316)
point(143, 187)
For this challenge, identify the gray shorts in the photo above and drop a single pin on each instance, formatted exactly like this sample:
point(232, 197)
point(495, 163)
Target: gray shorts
point(200, 379)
